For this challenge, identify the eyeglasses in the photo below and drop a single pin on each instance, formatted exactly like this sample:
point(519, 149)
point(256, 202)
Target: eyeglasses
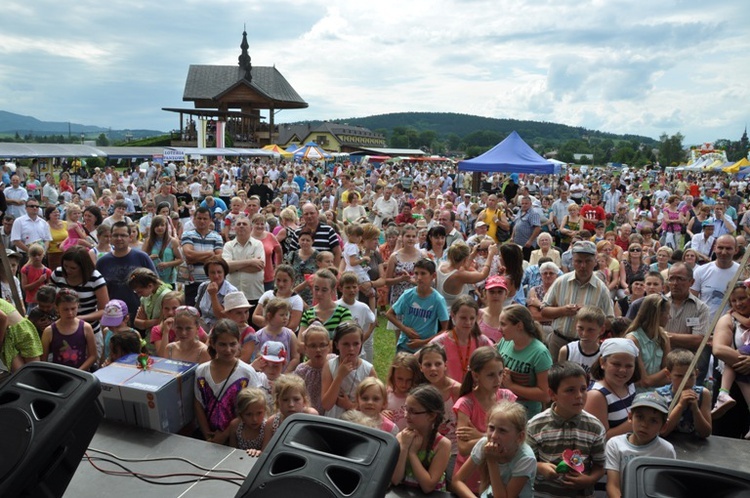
point(635, 249)
point(189, 309)
point(409, 411)
point(35, 206)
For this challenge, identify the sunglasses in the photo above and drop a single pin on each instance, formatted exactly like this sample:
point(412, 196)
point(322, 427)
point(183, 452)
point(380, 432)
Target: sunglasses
point(189, 309)
point(635, 249)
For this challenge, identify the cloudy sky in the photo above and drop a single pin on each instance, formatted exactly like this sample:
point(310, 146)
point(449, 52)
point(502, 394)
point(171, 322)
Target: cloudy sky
point(623, 66)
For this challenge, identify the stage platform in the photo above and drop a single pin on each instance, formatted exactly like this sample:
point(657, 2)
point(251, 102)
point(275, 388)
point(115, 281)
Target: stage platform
point(135, 443)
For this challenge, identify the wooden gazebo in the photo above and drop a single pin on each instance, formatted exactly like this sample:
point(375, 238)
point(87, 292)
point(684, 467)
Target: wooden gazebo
point(232, 98)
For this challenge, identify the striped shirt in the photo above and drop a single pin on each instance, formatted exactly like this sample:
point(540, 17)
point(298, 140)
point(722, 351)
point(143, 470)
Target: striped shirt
point(324, 239)
point(340, 314)
point(212, 241)
point(617, 408)
point(86, 293)
point(567, 290)
point(549, 435)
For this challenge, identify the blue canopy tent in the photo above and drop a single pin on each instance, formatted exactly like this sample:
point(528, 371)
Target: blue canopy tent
point(512, 155)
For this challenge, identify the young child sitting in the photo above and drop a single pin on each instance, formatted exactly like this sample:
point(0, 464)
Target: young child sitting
point(124, 343)
point(648, 415)
point(566, 427)
point(692, 413)
point(590, 322)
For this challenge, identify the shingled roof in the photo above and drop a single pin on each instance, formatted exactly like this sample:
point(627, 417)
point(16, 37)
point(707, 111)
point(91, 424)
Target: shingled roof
point(207, 83)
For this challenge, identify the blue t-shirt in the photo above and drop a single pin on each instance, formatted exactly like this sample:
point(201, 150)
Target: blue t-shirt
point(422, 314)
point(116, 272)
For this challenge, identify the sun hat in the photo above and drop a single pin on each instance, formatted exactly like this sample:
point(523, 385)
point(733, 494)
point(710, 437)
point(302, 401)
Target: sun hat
point(273, 351)
point(236, 300)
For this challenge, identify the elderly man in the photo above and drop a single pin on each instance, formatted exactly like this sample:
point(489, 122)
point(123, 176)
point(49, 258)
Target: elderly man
point(572, 291)
point(447, 219)
point(324, 237)
point(16, 197)
point(702, 243)
point(246, 259)
point(262, 190)
point(385, 207)
point(689, 316)
point(526, 227)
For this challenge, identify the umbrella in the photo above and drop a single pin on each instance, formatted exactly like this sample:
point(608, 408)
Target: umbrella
point(735, 168)
point(311, 150)
point(277, 149)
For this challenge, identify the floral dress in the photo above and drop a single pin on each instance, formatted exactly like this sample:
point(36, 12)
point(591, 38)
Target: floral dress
point(402, 268)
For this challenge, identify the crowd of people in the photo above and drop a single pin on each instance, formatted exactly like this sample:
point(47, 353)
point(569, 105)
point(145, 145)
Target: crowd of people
point(541, 325)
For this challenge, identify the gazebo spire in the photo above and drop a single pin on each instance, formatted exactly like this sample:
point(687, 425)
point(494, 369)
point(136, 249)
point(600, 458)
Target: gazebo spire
point(244, 58)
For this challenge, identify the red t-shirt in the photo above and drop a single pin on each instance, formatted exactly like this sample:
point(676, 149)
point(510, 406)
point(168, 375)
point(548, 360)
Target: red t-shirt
point(591, 215)
point(32, 275)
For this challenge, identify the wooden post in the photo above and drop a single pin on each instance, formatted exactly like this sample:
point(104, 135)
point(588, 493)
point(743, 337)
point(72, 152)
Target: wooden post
point(6, 269)
point(709, 332)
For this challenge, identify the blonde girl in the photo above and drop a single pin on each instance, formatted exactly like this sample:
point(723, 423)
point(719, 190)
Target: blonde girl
point(326, 311)
point(218, 381)
point(344, 371)
point(246, 432)
point(647, 332)
point(283, 289)
point(462, 338)
point(169, 304)
point(69, 339)
point(163, 249)
point(403, 375)
point(317, 346)
point(371, 400)
point(526, 357)
point(290, 397)
point(276, 319)
point(480, 391)
point(616, 373)
point(425, 452)
point(147, 285)
point(454, 275)
point(399, 272)
point(506, 462)
point(186, 346)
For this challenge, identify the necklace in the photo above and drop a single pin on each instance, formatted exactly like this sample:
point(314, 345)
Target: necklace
point(463, 358)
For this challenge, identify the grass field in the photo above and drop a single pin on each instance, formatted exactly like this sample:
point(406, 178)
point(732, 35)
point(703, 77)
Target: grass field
point(384, 346)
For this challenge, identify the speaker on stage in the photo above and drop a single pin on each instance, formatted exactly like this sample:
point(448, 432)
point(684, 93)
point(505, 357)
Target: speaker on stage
point(318, 457)
point(48, 415)
point(649, 477)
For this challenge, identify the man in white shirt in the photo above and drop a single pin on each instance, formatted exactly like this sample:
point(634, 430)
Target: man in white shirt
point(385, 207)
point(30, 228)
point(16, 197)
point(246, 259)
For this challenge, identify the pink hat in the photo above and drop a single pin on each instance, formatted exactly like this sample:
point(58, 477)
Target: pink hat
point(494, 282)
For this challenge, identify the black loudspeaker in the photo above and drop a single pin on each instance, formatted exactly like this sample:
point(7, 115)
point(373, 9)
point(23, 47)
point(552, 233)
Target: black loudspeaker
point(318, 457)
point(649, 477)
point(48, 415)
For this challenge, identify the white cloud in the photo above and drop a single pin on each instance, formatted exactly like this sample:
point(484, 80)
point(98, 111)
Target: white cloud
point(610, 65)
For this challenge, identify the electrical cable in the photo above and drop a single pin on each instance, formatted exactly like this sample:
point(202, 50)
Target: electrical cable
point(162, 459)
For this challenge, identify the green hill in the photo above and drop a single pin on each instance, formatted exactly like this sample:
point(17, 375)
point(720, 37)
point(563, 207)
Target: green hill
point(462, 125)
